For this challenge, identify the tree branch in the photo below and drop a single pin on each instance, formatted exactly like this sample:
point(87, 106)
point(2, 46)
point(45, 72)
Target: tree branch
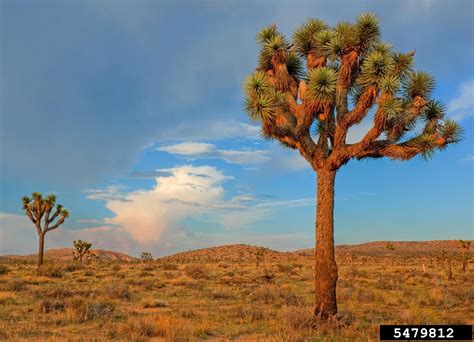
point(384, 148)
point(60, 221)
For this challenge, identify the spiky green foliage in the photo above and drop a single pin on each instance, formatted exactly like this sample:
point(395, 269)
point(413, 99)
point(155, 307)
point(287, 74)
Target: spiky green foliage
point(266, 34)
point(275, 47)
point(367, 31)
point(376, 67)
point(262, 107)
point(434, 110)
point(322, 84)
point(451, 131)
point(390, 84)
point(393, 108)
point(427, 145)
point(294, 65)
point(304, 37)
point(402, 64)
point(256, 84)
point(418, 83)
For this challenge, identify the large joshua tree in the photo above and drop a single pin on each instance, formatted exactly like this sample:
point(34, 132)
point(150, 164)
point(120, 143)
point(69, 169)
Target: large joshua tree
point(348, 72)
point(37, 208)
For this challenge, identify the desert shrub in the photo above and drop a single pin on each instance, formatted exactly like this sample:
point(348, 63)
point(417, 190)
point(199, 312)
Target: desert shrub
point(4, 269)
point(167, 266)
point(116, 267)
point(155, 303)
point(49, 305)
point(17, 284)
point(89, 310)
point(53, 271)
point(222, 294)
point(173, 329)
point(147, 283)
point(141, 327)
point(296, 317)
point(57, 292)
point(463, 293)
point(196, 272)
point(285, 268)
point(73, 266)
point(88, 273)
point(118, 291)
point(248, 313)
point(273, 295)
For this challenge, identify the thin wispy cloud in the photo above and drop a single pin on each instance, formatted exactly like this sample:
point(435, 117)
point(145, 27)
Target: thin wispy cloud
point(112, 193)
point(468, 158)
point(199, 150)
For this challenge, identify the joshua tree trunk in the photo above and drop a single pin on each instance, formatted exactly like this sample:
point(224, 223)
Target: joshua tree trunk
point(325, 263)
point(40, 251)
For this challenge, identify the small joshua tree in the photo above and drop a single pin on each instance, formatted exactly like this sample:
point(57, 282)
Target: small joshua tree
point(38, 208)
point(260, 255)
point(82, 248)
point(308, 108)
point(391, 248)
point(442, 256)
point(146, 257)
point(464, 245)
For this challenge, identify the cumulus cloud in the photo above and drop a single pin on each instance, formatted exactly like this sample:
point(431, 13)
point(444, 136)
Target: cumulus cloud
point(187, 192)
point(462, 106)
point(199, 150)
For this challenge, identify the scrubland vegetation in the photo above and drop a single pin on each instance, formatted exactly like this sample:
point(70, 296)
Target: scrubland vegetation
point(222, 294)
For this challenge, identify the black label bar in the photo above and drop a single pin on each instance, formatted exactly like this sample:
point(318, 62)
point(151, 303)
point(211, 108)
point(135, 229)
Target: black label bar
point(426, 332)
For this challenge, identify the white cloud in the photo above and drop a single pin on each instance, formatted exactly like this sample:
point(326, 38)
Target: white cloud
point(198, 150)
point(462, 106)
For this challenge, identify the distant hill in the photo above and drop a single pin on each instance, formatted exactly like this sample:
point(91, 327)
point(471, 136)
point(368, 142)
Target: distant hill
point(232, 253)
point(401, 247)
point(66, 254)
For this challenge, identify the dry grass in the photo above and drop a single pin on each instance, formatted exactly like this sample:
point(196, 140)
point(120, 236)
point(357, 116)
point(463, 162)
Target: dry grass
point(171, 300)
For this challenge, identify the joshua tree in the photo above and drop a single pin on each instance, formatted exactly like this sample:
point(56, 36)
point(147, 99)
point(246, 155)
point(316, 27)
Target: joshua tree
point(391, 248)
point(306, 108)
point(82, 248)
point(260, 255)
point(464, 245)
point(37, 208)
point(146, 257)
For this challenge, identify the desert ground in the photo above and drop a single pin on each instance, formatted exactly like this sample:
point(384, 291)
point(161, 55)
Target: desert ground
point(232, 292)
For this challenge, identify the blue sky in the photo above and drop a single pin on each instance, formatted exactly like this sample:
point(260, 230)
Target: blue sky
point(131, 112)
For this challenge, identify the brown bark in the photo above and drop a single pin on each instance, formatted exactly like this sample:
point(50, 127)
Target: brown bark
point(40, 251)
point(325, 264)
